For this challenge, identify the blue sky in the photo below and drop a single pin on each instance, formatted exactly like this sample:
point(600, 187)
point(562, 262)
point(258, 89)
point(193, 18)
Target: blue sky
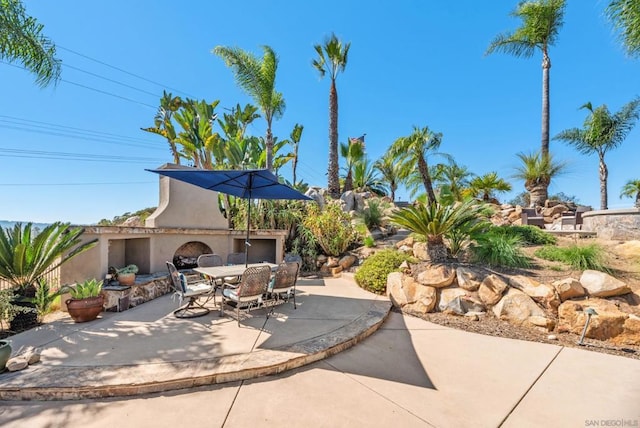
point(411, 63)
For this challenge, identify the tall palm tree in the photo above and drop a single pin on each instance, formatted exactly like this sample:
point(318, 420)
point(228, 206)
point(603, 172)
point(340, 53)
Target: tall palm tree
point(332, 58)
point(414, 150)
point(601, 132)
point(21, 40)
point(352, 152)
point(625, 16)
point(163, 125)
point(390, 172)
point(541, 23)
point(486, 186)
point(257, 77)
point(537, 171)
point(632, 189)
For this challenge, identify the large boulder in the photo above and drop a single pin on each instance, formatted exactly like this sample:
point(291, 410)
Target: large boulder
point(608, 323)
point(406, 242)
point(348, 201)
point(569, 288)
point(468, 278)
point(347, 261)
point(438, 276)
point(541, 293)
point(600, 284)
point(409, 295)
point(420, 251)
point(520, 309)
point(447, 295)
point(491, 289)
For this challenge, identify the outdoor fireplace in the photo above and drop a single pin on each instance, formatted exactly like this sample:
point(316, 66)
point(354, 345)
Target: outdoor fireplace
point(186, 257)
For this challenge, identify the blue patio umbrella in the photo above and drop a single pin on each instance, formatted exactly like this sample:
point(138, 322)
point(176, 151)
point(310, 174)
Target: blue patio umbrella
point(245, 183)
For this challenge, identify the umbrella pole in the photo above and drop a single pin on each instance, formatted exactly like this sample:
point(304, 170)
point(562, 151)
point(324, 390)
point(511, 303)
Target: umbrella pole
point(246, 241)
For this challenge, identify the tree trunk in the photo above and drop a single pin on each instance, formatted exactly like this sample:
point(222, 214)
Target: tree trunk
point(604, 174)
point(348, 181)
point(333, 174)
point(537, 194)
point(637, 200)
point(546, 65)
point(295, 165)
point(269, 143)
point(426, 179)
point(437, 252)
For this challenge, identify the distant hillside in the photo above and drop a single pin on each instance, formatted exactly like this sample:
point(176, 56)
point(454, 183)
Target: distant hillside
point(128, 218)
point(6, 223)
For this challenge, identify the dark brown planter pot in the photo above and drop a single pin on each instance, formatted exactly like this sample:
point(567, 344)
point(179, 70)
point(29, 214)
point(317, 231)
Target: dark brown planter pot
point(84, 310)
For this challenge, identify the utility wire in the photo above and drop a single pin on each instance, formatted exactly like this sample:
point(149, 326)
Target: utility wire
point(111, 80)
point(77, 184)
point(91, 88)
point(41, 154)
point(124, 71)
point(19, 121)
point(80, 137)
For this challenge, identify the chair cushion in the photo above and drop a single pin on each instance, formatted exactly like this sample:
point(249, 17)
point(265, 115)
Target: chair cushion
point(183, 282)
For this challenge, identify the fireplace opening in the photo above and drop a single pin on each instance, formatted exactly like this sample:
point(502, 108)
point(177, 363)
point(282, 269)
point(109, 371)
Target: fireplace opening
point(186, 257)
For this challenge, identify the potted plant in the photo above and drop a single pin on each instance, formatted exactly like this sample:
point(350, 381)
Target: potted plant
point(86, 300)
point(5, 354)
point(127, 275)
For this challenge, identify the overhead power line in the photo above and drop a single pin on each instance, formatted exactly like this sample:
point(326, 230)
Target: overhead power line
point(88, 157)
point(77, 184)
point(111, 80)
point(39, 124)
point(124, 71)
point(91, 88)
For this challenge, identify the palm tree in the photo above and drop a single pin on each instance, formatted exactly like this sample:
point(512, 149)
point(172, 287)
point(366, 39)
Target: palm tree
point(415, 149)
point(296, 135)
point(625, 16)
point(391, 173)
point(258, 79)
point(332, 58)
point(632, 189)
point(21, 41)
point(366, 179)
point(352, 152)
point(602, 131)
point(163, 125)
point(537, 171)
point(26, 255)
point(452, 178)
point(436, 221)
point(197, 138)
point(541, 22)
point(486, 186)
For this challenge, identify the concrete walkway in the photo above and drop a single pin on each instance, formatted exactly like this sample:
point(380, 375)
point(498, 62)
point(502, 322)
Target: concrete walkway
point(409, 373)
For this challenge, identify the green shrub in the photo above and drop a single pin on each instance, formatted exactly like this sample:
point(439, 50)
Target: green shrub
point(372, 275)
point(44, 298)
point(331, 227)
point(369, 242)
point(579, 257)
point(531, 235)
point(499, 249)
point(372, 214)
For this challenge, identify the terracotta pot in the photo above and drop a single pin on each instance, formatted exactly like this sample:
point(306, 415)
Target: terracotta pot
point(84, 310)
point(127, 278)
point(5, 354)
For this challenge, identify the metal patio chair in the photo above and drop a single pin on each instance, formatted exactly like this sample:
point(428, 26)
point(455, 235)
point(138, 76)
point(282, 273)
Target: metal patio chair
point(283, 284)
point(249, 292)
point(191, 291)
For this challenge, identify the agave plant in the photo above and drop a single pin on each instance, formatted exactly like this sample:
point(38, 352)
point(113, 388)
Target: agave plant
point(27, 255)
point(436, 222)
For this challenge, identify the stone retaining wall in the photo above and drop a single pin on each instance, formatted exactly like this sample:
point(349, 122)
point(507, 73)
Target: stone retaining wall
point(623, 224)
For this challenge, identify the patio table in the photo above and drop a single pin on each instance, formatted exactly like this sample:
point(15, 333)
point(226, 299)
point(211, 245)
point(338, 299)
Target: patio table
point(220, 272)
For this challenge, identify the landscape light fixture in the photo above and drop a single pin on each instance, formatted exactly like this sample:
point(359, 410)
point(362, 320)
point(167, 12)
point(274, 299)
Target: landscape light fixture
point(589, 312)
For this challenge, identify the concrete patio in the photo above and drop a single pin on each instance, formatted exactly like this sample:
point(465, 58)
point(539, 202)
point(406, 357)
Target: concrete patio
point(408, 373)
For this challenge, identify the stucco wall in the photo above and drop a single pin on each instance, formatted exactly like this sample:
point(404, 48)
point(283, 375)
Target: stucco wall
point(621, 224)
point(151, 248)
